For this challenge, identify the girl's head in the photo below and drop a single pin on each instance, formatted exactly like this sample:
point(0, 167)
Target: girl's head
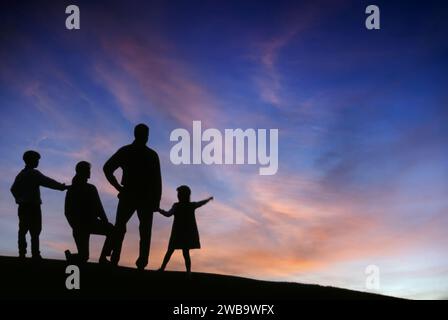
point(183, 193)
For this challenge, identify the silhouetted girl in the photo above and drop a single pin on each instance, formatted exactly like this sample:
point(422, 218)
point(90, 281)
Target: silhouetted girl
point(184, 233)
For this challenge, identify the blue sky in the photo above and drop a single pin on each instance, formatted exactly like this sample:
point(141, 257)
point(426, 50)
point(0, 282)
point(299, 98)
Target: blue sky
point(361, 116)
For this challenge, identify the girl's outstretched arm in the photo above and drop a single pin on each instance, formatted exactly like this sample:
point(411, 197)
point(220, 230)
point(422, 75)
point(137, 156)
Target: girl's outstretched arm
point(201, 203)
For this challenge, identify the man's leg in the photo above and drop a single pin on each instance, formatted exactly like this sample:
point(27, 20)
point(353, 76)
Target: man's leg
point(35, 230)
point(105, 229)
point(145, 216)
point(125, 210)
point(23, 229)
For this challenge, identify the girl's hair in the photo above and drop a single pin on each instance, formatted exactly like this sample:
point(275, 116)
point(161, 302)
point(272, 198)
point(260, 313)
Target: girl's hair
point(183, 193)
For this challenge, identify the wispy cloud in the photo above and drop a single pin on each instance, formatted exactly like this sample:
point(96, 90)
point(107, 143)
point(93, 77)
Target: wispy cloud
point(270, 77)
point(146, 79)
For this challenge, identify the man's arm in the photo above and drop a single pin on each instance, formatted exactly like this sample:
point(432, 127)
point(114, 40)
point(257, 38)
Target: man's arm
point(158, 179)
point(109, 168)
point(47, 182)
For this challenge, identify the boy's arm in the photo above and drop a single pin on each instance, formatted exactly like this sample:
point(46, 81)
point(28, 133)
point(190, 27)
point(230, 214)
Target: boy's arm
point(201, 203)
point(14, 190)
point(68, 211)
point(99, 206)
point(47, 182)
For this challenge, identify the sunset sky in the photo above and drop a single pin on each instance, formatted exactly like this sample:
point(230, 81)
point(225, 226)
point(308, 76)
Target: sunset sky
point(362, 118)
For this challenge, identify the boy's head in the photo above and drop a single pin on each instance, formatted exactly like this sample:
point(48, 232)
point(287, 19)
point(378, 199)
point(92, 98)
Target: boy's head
point(31, 158)
point(183, 193)
point(83, 169)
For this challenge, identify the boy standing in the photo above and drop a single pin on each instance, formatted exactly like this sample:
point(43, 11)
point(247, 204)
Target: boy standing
point(27, 195)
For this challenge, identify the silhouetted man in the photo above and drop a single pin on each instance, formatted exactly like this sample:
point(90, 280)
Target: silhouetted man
point(86, 216)
point(26, 191)
point(140, 190)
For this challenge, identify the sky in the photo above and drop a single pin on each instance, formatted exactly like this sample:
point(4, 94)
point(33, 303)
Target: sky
point(361, 114)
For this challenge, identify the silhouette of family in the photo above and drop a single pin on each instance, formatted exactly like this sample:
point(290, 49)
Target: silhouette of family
point(140, 190)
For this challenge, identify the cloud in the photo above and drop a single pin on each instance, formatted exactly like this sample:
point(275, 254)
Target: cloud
point(296, 24)
point(146, 79)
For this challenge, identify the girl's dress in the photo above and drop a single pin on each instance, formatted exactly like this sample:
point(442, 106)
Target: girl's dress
point(184, 233)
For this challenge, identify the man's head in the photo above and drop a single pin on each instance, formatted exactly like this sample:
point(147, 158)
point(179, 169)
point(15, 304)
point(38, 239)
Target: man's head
point(31, 158)
point(141, 133)
point(183, 193)
point(83, 170)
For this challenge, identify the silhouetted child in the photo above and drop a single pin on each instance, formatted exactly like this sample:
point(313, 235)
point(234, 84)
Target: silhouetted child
point(26, 192)
point(184, 233)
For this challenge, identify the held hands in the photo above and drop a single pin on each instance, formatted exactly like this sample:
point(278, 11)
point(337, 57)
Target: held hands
point(119, 188)
point(162, 212)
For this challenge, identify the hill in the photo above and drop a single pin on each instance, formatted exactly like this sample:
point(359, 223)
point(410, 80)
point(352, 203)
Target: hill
point(46, 280)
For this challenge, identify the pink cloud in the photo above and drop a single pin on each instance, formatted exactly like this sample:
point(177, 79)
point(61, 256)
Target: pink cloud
point(146, 81)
